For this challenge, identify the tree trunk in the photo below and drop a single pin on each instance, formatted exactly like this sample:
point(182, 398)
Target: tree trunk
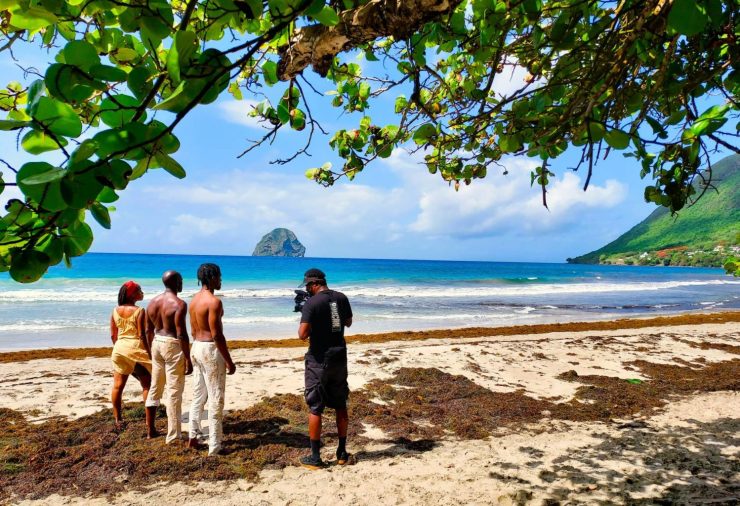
point(317, 45)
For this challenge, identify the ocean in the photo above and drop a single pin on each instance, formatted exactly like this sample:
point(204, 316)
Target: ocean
point(71, 307)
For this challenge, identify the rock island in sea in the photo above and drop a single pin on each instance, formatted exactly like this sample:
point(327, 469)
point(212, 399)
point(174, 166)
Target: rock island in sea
point(280, 242)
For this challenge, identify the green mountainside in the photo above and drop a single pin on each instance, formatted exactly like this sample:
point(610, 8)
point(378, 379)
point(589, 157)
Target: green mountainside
point(704, 234)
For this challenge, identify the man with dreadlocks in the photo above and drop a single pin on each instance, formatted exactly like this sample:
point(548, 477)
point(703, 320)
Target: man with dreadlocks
point(211, 359)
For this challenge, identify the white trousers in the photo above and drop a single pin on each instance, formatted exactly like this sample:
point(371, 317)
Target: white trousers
point(168, 368)
point(209, 383)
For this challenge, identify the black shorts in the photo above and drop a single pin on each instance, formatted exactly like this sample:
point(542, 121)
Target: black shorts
point(326, 382)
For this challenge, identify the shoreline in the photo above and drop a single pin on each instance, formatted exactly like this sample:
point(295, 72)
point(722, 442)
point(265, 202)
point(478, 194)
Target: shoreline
point(412, 335)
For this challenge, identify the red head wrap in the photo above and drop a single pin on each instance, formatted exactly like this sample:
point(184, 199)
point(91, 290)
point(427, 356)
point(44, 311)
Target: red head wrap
point(131, 288)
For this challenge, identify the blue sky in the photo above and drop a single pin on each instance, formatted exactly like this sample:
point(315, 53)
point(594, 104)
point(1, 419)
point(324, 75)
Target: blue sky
point(394, 209)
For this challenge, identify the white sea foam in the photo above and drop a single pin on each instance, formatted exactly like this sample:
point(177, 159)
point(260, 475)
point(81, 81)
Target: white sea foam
point(42, 326)
point(439, 317)
point(528, 290)
point(370, 292)
point(48, 295)
point(244, 320)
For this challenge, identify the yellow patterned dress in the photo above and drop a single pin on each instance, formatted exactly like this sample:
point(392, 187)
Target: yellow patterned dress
point(129, 350)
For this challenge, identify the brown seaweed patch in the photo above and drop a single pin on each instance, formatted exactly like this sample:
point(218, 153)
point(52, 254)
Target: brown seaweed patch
point(420, 406)
point(713, 377)
point(706, 345)
point(38, 460)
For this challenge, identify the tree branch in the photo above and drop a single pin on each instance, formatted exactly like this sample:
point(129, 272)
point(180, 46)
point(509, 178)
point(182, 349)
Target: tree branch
point(317, 45)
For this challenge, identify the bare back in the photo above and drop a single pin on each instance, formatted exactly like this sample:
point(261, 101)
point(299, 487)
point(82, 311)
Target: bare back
point(166, 314)
point(206, 311)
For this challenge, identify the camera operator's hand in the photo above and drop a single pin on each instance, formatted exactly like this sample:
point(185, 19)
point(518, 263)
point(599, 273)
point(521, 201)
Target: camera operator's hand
point(188, 367)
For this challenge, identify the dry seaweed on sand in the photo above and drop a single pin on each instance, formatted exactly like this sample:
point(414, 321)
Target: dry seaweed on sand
point(87, 456)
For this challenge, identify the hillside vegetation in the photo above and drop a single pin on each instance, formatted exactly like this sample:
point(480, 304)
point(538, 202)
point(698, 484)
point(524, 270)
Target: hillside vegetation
point(703, 234)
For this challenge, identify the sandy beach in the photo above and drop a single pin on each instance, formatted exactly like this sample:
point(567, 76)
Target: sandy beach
point(601, 413)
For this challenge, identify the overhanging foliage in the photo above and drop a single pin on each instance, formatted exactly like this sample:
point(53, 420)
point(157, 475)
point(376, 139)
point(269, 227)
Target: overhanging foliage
point(657, 80)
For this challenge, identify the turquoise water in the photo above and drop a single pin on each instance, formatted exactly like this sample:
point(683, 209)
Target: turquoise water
point(71, 307)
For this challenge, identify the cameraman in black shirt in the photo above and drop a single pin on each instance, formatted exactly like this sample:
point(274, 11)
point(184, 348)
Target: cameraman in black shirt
point(323, 319)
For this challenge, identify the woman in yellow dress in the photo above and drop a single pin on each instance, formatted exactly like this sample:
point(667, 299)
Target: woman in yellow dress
point(131, 353)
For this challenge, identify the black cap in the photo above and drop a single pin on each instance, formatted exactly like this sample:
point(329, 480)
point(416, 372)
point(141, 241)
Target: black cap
point(313, 276)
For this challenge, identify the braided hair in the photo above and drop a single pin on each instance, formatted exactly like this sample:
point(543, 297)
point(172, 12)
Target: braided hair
point(208, 274)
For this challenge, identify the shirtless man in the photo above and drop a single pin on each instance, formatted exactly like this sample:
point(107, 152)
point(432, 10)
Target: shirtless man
point(211, 359)
point(168, 340)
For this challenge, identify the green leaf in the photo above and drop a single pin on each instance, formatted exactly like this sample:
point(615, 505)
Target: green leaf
point(424, 133)
point(139, 81)
point(53, 174)
point(597, 131)
point(85, 150)
point(269, 71)
point(108, 73)
point(235, 90)
point(183, 47)
point(617, 139)
point(118, 110)
point(297, 119)
point(283, 112)
point(312, 173)
point(70, 84)
point(31, 18)
point(29, 266)
point(706, 126)
point(401, 104)
point(13, 125)
point(81, 54)
point(255, 6)
point(510, 143)
point(47, 195)
point(364, 92)
point(115, 175)
point(37, 142)
point(141, 167)
point(58, 117)
point(125, 54)
point(107, 195)
point(52, 247)
point(35, 92)
point(327, 16)
point(715, 112)
point(178, 100)
point(170, 165)
point(111, 141)
point(77, 239)
point(101, 214)
point(687, 17)
point(80, 190)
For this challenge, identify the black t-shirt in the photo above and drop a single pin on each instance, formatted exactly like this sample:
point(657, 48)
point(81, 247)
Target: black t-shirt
point(327, 312)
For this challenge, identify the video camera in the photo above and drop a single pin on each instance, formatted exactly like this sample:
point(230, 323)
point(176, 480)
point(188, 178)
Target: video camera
point(301, 296)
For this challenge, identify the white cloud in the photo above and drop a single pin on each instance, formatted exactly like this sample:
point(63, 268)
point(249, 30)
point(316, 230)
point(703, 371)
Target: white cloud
point(187, 227)
point(238, 111)
point(504, 203)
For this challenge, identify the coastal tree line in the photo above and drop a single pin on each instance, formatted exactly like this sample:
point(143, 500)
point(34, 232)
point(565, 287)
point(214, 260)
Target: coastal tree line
point(654, 80)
